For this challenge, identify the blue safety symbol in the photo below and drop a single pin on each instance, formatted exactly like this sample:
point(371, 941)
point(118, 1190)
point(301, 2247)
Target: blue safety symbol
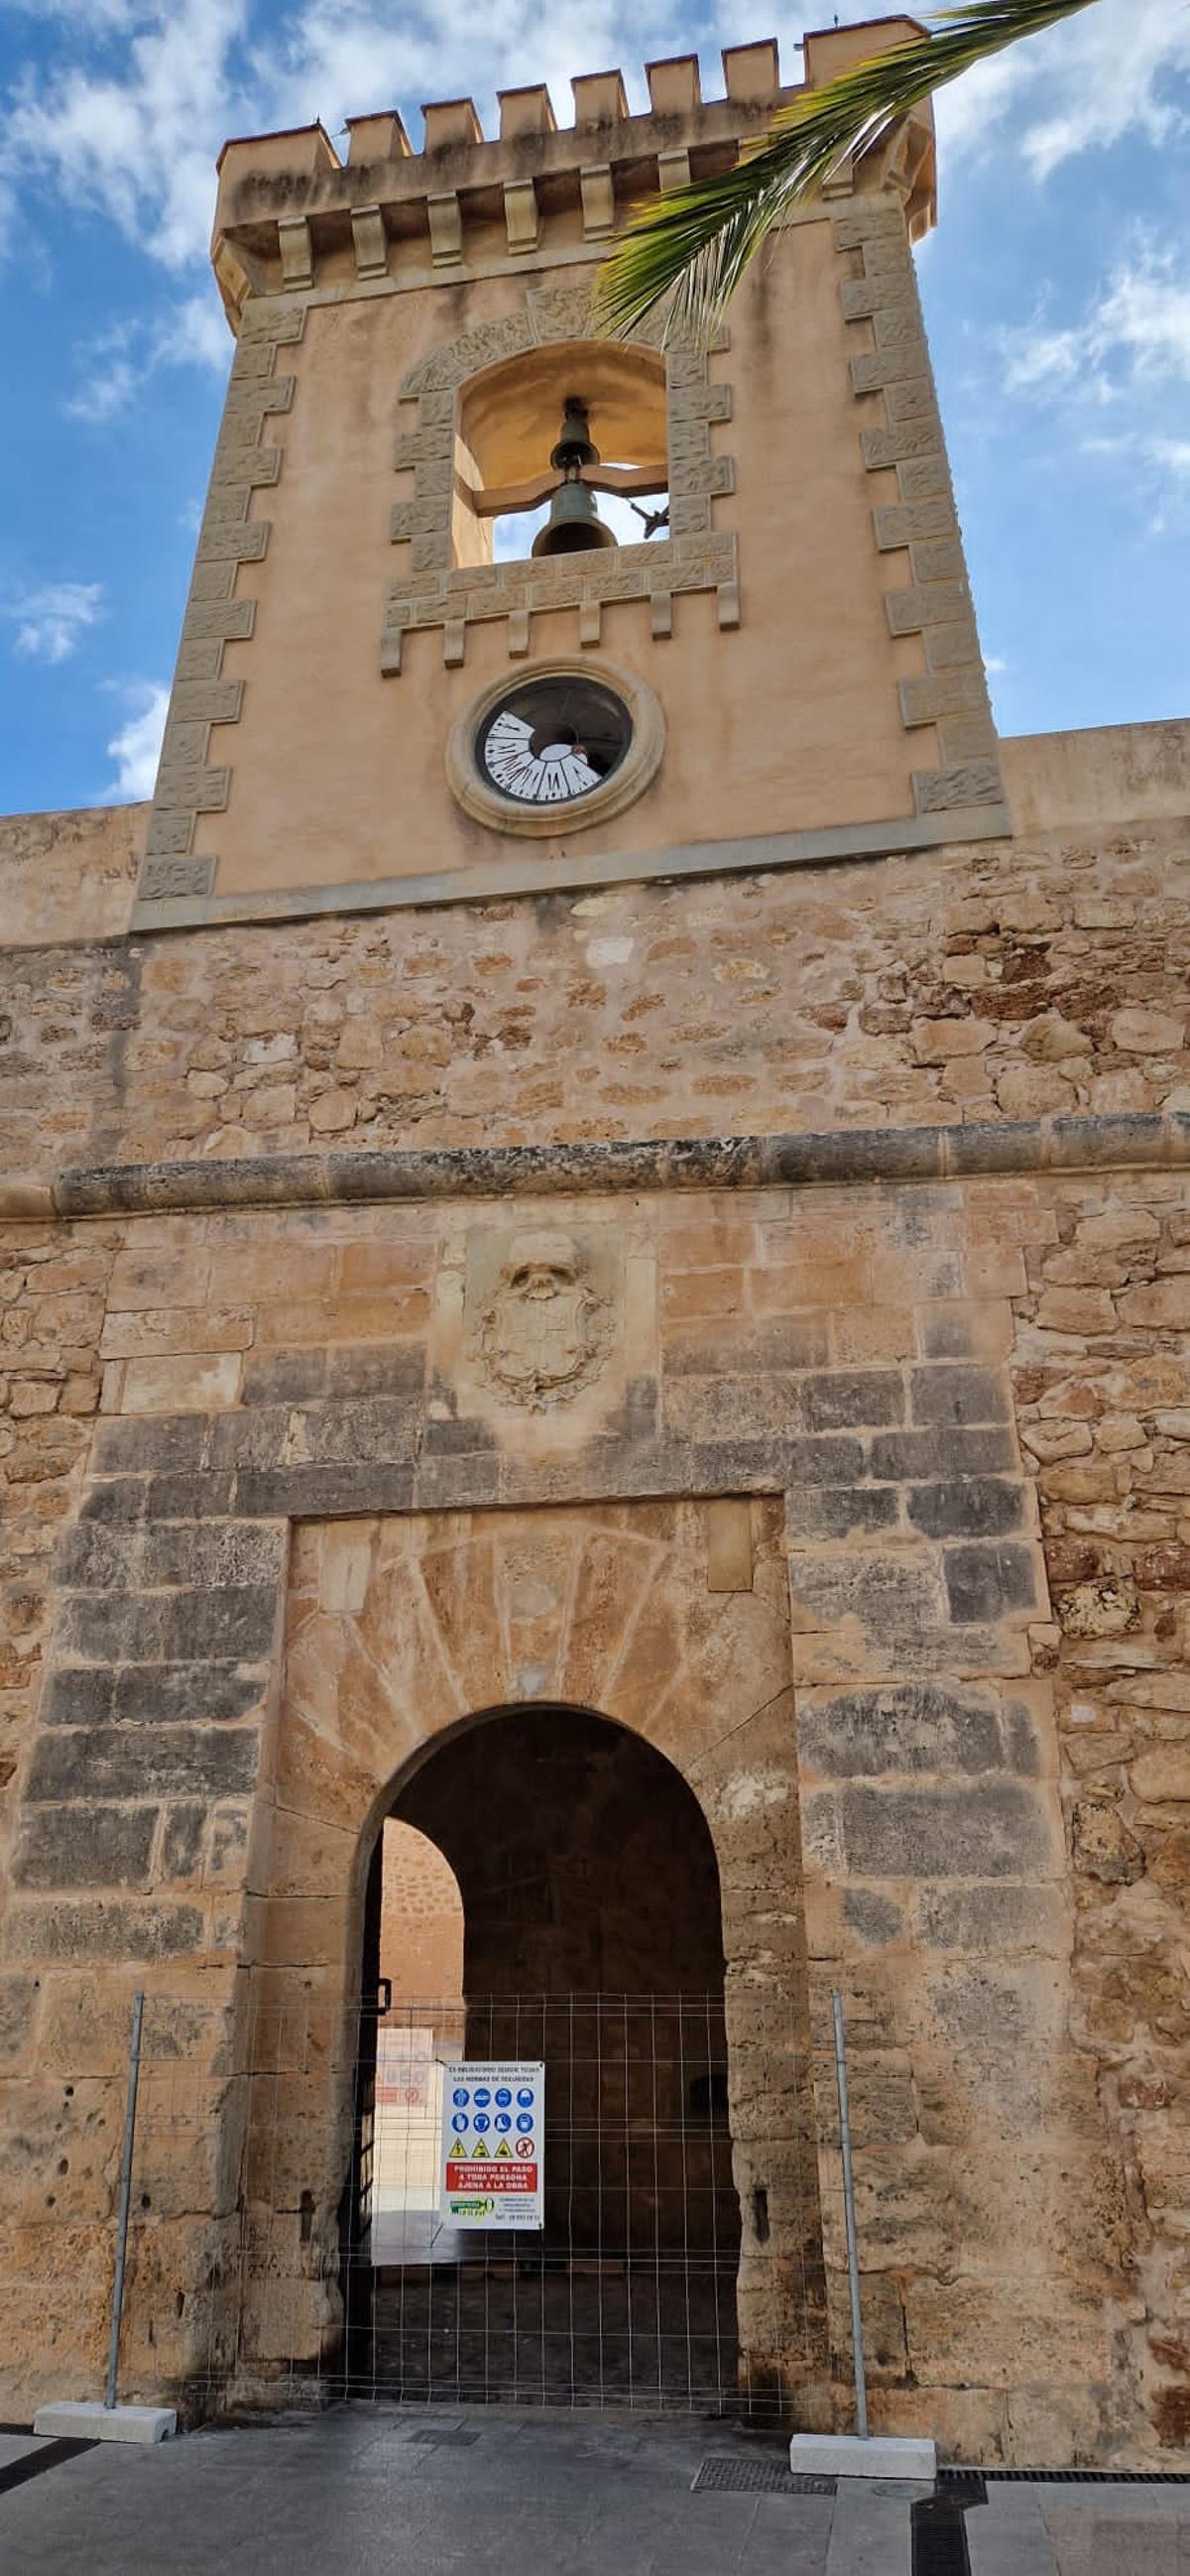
point(524, 2097)
point(503, 2096)
point(482, 2096)
point(503, 2118)
point(481, 2121)
point(460, 2095)
point(524, 2122)
point(459, 2122)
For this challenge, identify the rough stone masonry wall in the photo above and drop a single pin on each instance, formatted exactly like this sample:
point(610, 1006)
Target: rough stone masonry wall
point(993, 1785)
point(1101, 1370)
point(1010, 980)
point(995, 1800)
point(421, 1920)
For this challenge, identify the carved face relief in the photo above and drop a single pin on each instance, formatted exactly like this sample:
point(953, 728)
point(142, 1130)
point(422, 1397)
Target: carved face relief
point(545, 1331)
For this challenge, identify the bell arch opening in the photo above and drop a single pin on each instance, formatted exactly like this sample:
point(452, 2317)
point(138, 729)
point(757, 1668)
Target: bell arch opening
point(588, 1936)
point(509, 421)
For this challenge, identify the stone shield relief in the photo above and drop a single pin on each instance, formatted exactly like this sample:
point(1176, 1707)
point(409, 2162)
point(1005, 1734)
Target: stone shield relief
point(542, 1313)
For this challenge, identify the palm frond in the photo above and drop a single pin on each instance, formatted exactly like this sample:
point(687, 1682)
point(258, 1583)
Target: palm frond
point(694, 244)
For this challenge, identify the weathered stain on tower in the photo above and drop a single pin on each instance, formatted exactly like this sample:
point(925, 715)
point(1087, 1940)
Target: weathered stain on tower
point(619, 1173)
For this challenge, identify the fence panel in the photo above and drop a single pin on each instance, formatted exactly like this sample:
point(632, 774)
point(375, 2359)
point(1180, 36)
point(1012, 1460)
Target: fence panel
point(288, 2242)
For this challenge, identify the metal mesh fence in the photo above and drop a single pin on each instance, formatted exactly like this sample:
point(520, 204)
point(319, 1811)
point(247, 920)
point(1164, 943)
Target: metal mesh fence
point(290, 2241)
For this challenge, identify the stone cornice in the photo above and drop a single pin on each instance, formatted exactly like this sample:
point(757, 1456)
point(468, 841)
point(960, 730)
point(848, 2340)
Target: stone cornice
point(836, 1159)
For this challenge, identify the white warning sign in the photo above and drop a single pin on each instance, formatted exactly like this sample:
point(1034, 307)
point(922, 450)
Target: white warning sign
point(493, 2144)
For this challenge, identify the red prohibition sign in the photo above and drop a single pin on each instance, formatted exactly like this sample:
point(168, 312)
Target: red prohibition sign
point(525, 2147)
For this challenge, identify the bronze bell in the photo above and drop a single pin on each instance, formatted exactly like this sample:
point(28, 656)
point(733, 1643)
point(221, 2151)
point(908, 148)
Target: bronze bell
point(574, 526)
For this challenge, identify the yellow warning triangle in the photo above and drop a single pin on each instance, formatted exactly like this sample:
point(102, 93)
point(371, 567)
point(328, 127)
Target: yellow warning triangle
point(478, 2150)
point(504, 2149)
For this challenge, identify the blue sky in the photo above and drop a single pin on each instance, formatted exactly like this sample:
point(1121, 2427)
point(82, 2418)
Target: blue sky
point(1057, 291)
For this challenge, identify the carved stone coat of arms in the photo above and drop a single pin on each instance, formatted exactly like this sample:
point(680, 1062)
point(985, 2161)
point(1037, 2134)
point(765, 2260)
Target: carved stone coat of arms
point(545, 1331)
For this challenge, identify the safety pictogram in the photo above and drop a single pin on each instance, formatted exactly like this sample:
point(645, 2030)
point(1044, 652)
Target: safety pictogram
point(485, 2180)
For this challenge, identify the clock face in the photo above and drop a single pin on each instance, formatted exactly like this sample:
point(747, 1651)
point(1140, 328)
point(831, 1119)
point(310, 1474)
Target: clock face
point(553, 740)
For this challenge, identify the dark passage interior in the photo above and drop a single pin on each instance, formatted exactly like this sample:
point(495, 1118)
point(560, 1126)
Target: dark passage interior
point(591, 1940)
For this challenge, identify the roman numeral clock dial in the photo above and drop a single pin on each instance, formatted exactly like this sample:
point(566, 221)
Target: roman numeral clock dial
point(552, 740)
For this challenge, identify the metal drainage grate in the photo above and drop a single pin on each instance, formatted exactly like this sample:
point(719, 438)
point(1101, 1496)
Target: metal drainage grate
point(1070, 2477)
point(938, 2532)
point(758, 2477)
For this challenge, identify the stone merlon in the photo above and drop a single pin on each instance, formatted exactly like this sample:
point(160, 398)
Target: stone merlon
point(272, 180)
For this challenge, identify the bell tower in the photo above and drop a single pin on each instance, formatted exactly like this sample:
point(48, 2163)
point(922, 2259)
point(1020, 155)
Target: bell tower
point(742, 637)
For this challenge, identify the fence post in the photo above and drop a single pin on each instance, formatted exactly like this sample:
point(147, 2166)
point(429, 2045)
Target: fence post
point(857, 2328)
point(113, 2350)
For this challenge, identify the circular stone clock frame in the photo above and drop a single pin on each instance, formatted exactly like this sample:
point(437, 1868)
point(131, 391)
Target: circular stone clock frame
point(632, 773)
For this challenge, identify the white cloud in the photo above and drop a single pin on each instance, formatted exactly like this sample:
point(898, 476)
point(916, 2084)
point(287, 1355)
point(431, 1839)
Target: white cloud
point(1145, 318)
point(1125, 365)
point(1136, 335)
point(115, 366)
point(130, 125)
point(194, 334)
point(110, 383)
point(51, 621)
point(1109, 72)
point(1172, 455)
point(136, 748)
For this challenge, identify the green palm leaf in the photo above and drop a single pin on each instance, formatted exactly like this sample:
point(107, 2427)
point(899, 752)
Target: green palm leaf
point(694, 244)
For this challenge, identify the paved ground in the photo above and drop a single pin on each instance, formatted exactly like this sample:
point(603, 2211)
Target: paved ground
point(381, 2492)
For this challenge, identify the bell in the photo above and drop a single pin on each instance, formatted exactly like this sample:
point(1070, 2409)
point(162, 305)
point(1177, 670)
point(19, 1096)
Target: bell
point(574, 526)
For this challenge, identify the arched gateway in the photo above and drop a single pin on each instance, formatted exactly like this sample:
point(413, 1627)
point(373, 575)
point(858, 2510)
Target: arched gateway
point(588, 1892)
point(608, 1815)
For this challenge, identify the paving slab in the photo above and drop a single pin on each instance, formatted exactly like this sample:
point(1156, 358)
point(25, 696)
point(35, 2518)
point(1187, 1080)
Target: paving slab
point(392, 2492)
point(396, 2494)
point(870, 2527)
point(16, 2446)
point(1007, 2535)
point(1148, 2538)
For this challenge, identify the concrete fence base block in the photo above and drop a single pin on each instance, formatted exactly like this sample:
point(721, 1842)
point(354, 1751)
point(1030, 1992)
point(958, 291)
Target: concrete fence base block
point(843, 2455)
point(86, 2419)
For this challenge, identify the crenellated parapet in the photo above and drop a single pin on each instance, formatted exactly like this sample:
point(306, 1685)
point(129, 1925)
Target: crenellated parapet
point(292, 215)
